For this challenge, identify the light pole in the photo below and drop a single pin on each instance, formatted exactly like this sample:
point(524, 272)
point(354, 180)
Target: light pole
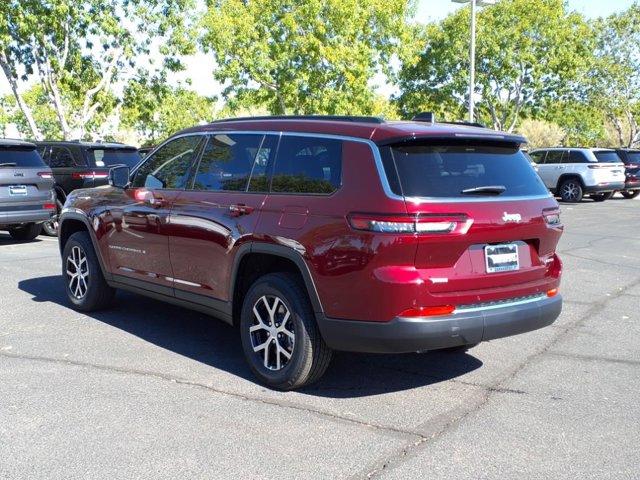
point(472, 49)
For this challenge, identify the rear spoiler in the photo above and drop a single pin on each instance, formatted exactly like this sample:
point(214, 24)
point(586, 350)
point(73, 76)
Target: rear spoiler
point(492, 138)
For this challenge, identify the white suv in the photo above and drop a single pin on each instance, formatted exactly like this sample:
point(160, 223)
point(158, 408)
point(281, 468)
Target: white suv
point(571, 173)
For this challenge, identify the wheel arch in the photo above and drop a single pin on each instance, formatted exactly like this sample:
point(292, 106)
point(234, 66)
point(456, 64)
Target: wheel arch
point(256, 259)
point(72, 222)
point(566, 176)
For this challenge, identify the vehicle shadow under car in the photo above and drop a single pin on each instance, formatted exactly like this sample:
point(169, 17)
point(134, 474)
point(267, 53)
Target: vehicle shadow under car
point(217, 344)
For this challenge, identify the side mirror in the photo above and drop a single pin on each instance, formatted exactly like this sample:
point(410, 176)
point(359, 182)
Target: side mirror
point(119, 176)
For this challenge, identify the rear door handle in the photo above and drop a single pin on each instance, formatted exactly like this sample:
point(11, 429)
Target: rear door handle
point(239, 209)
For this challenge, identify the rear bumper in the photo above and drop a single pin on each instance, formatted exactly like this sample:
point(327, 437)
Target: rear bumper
point(632, 185)
point(23, 215)
point(603, 188)
point(402, 335)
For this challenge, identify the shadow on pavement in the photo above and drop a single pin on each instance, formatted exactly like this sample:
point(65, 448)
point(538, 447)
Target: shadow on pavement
point(215, 343)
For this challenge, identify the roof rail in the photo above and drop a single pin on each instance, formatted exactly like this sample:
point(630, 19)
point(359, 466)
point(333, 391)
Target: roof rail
point(340, 118)
point(468, 124)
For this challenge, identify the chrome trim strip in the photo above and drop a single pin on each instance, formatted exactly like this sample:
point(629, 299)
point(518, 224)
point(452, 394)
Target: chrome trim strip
point(375, 150)
point(495, 306)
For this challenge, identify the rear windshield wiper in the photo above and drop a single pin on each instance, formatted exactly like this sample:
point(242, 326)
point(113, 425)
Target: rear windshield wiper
point(486, 190)
point(8, 164)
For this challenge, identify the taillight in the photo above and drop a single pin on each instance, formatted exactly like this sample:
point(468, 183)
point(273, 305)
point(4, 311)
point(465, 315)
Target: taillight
point(88, 175)
point(428, 311)
point(552, 293)
point(49, 206)
point(551, 216)
point(46, 175)
point(421, 224)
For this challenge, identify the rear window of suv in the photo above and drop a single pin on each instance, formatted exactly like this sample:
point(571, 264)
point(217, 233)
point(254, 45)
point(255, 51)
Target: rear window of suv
point(102, 157)
point(428, 170)
point(20, 157)
point(606, 156)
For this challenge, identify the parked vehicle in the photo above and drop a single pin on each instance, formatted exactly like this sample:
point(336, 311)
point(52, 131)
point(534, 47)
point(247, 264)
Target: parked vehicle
point(26, 195)
point(631, 160)
point(570, 173)
point(81, 165)
point(315, 234)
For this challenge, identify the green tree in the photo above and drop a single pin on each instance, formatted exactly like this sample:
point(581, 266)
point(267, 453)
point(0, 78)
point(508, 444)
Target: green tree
point(78, 49)
point(155, 110)
point(305, 56)
point(528, 51)
point(616, 78)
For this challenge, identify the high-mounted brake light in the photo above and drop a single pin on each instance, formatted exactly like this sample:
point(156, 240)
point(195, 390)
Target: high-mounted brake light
point(552, 216)
point(45, 175)
point(88, 175)
point(428, 311)
point(422, 224)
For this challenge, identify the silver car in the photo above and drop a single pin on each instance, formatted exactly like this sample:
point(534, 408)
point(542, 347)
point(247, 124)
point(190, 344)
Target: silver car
point(26, 195)
point(571, 173)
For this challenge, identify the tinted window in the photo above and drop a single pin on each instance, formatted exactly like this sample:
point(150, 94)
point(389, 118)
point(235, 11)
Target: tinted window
point(61, 157)
point(633, 157)
point(229, 160)
point(445, 171)
point(607, 156)
point(43, 151)
point(537, 157)
point(307, 165)
point(20, 157)
point(556, 156)
point(576, 156)
point(110, 157)
point(169, 167)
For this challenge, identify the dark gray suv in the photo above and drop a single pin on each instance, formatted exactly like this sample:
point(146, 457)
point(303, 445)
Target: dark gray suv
point(26, 190)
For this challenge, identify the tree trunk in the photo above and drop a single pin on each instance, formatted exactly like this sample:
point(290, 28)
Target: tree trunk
point(24, 108)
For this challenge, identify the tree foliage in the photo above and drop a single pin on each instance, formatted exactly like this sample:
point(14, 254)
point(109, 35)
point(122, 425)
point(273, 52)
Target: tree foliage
point(305, 56)
point(78, 49)
point(615, 81)
point(156, 110)
point(527, 52)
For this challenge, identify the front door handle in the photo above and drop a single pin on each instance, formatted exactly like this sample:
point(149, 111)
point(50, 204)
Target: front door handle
point(239, 209)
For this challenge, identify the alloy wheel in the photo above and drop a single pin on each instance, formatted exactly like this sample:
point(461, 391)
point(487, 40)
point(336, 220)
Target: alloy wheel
point(569, 191)
point(77, 272)
point(272, 333)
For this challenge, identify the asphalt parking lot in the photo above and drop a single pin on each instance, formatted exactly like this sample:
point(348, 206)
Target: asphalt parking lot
point(148, 390)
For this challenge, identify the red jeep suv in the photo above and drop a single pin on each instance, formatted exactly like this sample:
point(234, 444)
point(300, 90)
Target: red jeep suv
point(323, 233)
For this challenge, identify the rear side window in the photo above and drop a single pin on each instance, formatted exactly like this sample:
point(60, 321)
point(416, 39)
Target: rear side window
point(230, 160)
point(61, 157)
point(445, 171)
point(307, 165)
point(169, 167)
point(576, 156)
point(20, 157)
point(605, 156)
point(100, 157)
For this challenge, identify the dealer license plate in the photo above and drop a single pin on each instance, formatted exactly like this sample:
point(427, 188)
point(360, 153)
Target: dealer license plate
point(501, 258)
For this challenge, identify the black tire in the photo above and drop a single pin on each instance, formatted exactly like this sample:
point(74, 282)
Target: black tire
point(601, 197)
point(460, 348)
point(630, 194)
point(571, 190)
point(309, 356)
point(26, 233)
point(50, 227)
point(97, 293)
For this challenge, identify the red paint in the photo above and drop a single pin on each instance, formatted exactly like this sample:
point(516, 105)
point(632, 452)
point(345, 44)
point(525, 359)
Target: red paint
point(359, 274)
